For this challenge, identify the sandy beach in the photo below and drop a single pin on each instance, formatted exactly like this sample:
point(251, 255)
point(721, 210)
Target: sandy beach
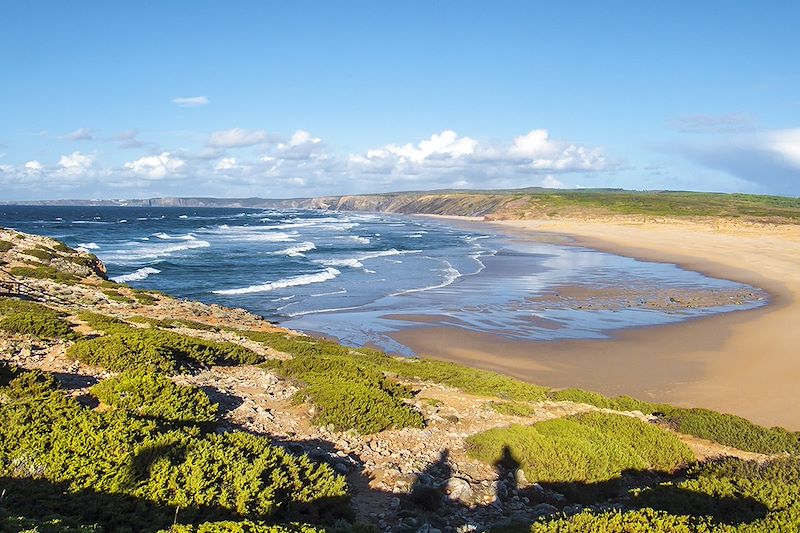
point(747, 363)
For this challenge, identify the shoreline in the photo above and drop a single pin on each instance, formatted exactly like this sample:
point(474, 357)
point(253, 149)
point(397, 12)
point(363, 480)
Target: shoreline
point(745, 362)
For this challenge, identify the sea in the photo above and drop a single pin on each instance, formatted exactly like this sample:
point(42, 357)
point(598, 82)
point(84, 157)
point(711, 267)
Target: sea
point(359, 277)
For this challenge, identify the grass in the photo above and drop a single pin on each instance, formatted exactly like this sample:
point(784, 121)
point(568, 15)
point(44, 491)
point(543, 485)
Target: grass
point(153, 395)
point(5, 245)
point(583, 448)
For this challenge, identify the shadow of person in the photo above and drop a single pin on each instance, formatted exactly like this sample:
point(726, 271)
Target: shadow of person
point(508, 469)
point(427, 491)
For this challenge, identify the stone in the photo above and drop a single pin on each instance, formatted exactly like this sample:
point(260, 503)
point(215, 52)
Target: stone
point(458, 489)
point(544, 509)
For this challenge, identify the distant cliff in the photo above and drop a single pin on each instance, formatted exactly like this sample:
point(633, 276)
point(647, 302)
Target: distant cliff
point(530, 203)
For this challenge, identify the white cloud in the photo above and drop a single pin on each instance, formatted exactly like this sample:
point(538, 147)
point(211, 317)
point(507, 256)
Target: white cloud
point(74, 164)
point(550, 182)
point(156, 167)
point(303, 137)
point(81, 134)
point(191, 101)
point(237, 138)
point(226, 163)
point(301, 164)
point(33, 167)
point(537, 149)
point(446, 143)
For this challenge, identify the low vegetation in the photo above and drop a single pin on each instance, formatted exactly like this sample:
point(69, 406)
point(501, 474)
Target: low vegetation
point(153, 395)
point(116, 296)
point(730, 430)
point(725, 496)
point(512, 408)
point(19, 316)
point(358, 389)
point(44, 272)
point(158, 351)
point(582, 448)
point(5, 245)
point(51, 444)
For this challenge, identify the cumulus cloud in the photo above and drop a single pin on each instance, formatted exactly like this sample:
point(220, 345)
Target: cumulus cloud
point(767, 159)
point(226, 163)
point(446, 143)
point(81, 134)
point(33, 167)
point(237, 138)
point(74, 164)
point(302, 164)
point(191, 101)
point(446, 154)
point(156, 167)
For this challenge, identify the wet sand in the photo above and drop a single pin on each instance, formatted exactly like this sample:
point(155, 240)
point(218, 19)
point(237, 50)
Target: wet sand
point(747, 362)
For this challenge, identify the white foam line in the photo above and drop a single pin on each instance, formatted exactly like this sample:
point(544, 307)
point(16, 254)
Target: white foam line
point(137, 275)
point(451, 275)
point(296, 281)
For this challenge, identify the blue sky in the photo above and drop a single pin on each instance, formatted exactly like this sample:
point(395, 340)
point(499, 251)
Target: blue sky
point(133, 99)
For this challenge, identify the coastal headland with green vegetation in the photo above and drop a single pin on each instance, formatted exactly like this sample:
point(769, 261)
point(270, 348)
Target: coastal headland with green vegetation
point(130, 410)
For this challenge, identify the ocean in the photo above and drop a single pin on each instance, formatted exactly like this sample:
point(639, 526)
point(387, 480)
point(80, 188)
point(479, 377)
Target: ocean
point(359, 277)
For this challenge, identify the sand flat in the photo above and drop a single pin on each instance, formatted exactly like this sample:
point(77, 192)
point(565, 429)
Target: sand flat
point(747, 363)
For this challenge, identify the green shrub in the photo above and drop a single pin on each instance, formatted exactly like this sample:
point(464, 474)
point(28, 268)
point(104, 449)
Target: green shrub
point(128, 348)
point(5, 245)
point(44, 272)
point(730, 430)
point(173, 323)
point(144, 297)
point(156, 396)
point(116, 296)
point(47, 435)
point(30, 318)
point(353, 389)
point(585, 448)
point(40, 253)
point(245, 526)
point(104, 323)
point(61, 247)
point(512, 408)
point(347, 403)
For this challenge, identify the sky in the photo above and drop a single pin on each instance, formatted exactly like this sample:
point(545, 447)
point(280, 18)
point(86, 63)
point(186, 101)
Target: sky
point(294, 99)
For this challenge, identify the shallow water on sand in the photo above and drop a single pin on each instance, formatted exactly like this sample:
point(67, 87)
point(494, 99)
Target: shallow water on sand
point(359, 277)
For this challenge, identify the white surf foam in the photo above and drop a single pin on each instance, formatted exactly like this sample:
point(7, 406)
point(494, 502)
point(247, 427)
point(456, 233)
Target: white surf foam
point(155, 251)
point(167, 237)
point(351, 262)
point(296, 281)
point(297, 250)
point(136, 275)
point(88, 246)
